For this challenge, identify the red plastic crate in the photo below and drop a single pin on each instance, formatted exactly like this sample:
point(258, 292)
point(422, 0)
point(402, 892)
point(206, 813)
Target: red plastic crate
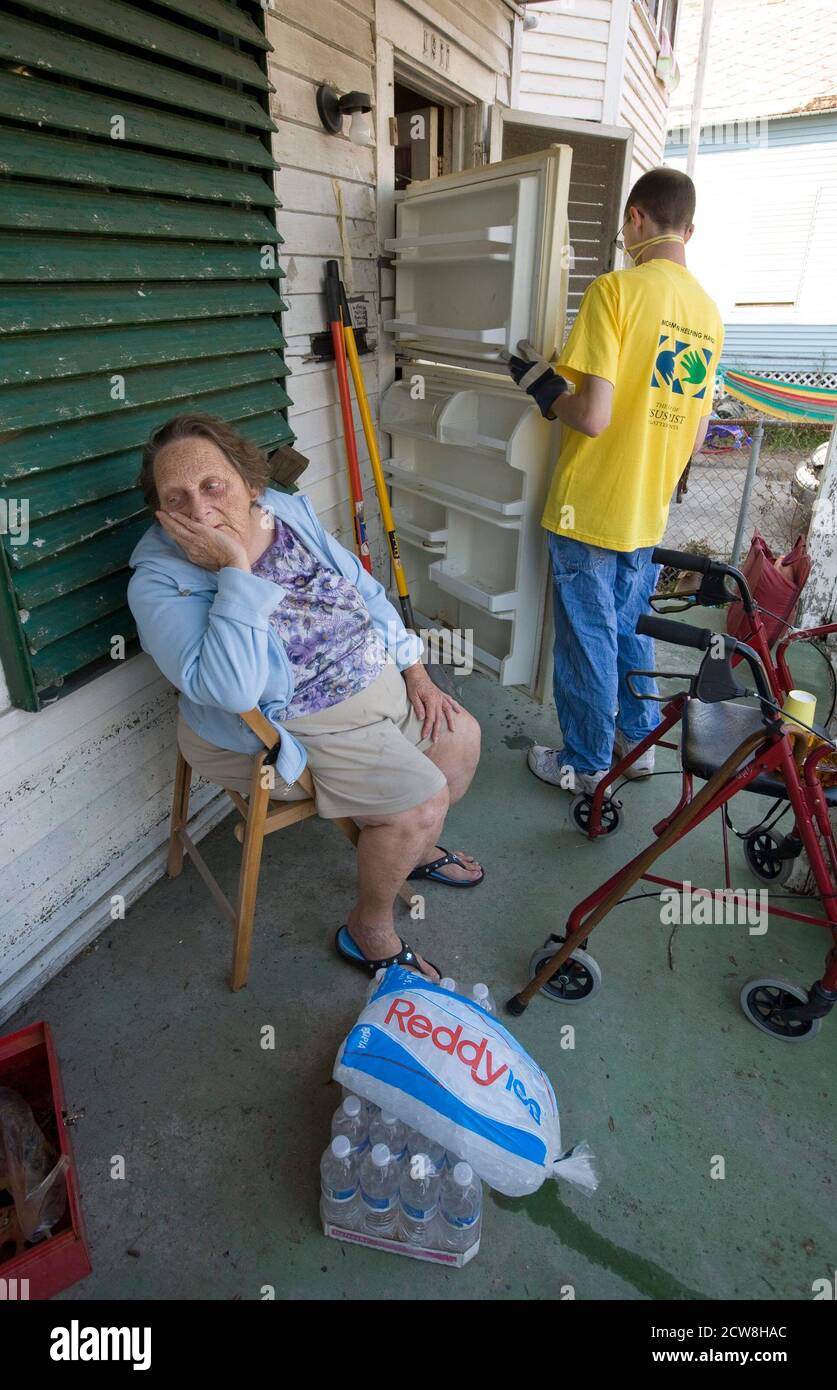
point(28, 1064)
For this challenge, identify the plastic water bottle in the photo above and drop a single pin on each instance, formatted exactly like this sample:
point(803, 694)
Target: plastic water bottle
point(448, 983)
point(388, 1129)
point(367, 1108)
point(379, 1178)
point(339, 1188)
point(420, 1144)
point(349, 1119)
point(418, 1198)
point(482, 995)
point(373, 984)
point(460, 1208)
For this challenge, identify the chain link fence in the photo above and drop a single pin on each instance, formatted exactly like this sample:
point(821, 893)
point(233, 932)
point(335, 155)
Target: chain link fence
point(715, 502)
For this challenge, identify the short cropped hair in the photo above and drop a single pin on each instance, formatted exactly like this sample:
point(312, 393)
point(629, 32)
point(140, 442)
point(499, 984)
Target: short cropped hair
point(246, 458)
point(667, 196)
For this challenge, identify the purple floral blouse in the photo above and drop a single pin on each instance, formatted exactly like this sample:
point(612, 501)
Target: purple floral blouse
point(324, 623)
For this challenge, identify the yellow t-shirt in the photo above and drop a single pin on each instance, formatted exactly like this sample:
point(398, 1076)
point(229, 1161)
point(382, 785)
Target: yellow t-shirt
point(657, 336)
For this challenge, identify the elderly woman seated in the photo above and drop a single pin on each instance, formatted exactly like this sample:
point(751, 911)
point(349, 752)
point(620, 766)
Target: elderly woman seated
point(243, 599)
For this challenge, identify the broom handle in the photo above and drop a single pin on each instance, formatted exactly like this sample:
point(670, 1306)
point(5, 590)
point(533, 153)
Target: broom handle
point(374, 456)
point(332, 289)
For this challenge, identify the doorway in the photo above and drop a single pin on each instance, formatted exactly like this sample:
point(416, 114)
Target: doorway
point(423, 127)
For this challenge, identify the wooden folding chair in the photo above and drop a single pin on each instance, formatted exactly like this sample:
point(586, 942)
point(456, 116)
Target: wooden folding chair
point(254, 823)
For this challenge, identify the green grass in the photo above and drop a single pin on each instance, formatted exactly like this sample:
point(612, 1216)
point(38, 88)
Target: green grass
point(793, 436)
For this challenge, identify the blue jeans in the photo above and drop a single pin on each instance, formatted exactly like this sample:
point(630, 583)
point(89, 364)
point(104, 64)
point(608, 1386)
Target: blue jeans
point(598, 596)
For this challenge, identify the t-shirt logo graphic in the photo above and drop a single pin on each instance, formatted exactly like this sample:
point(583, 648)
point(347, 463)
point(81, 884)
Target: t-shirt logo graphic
point(681, 366)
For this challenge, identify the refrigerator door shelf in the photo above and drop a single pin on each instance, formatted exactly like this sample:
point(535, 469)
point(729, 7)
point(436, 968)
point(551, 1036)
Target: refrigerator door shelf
point(473, 589)
point(450, 504)
point(455, 258)
point(428, 540)
point(459, 409)
point(485, 657)
point(486, 420)
point(407, 327)
point(403, 413)
point(412, 481)
point(469, 439)
point(475, 236)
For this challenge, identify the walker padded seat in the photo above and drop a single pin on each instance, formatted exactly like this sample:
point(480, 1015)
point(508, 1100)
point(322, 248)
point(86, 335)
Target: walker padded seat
point(711, 732)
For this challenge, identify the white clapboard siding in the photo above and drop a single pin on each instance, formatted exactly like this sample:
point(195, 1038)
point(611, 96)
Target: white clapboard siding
point(644, 100)
point(315, 41)
point(581, 51)
point(482, 28)
point(563, 62)
point(85, 796)
point(344, 26)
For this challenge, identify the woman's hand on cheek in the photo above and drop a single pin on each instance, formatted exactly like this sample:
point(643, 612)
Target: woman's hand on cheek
point(204, 545)
point(431, 704)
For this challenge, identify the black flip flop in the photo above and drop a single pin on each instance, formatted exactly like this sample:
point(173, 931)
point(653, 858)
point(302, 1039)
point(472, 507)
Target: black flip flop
point(351, 952)
point(429, 871)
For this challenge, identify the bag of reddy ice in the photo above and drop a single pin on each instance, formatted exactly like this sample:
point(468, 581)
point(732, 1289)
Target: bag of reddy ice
point(453, 1072)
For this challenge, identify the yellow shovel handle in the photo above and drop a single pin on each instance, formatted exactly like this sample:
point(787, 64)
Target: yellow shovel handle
point(375, 459)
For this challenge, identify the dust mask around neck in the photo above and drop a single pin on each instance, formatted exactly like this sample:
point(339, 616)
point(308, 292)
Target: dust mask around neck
point(640, 246)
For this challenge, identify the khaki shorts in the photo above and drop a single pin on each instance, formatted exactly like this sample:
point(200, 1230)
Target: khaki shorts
point(366, 754)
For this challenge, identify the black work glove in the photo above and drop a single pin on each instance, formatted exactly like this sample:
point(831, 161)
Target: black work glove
point(533, 374)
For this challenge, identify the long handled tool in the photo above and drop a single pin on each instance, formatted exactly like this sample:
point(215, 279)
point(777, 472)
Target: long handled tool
point(374, 453)
point(438, 674)
point(332, 289)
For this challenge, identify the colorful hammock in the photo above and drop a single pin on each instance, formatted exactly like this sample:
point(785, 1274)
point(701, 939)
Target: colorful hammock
point(780, 399)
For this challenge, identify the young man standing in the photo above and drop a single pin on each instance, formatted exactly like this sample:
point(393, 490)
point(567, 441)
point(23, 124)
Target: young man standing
point(642, 356)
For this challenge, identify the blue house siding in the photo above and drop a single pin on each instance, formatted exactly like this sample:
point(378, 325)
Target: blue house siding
point(781, 347)
point(775, 130)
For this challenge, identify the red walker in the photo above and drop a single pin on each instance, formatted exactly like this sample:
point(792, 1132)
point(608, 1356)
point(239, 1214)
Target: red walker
point(732, 747)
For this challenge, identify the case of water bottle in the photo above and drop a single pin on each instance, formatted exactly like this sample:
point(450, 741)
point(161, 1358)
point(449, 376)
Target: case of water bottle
point(453, 1259)
point(355, 1127)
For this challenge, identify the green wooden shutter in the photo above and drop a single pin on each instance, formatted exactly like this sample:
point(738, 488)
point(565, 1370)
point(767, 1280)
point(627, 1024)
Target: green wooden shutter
point(150, 258)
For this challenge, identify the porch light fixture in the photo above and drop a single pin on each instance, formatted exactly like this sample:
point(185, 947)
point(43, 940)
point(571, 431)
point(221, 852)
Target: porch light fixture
point(332, 108)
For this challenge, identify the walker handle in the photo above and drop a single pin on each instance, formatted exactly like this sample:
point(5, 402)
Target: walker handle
point(680, 634)
point(681, 560)
point(685, 635)
point(702, 564)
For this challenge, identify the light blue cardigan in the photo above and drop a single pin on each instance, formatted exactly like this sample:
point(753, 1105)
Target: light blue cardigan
point(208, 631)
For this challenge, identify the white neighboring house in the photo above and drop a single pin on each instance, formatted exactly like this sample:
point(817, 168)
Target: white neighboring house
point(766, 178)
point(87, 777)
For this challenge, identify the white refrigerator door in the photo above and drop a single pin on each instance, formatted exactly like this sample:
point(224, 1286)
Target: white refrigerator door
point(481, 260)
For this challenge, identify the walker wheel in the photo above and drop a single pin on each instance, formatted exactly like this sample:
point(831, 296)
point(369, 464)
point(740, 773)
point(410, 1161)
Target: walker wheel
point(763, 1001)
point(579, 978)
point(762, 850)
point(581, 807)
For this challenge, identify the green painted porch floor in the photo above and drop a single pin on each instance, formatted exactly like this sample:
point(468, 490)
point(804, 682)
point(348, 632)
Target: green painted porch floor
point(221, 1138)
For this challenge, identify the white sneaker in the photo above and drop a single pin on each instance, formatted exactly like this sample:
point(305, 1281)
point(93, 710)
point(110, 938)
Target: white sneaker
point(546, 764)
point(643, 767)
